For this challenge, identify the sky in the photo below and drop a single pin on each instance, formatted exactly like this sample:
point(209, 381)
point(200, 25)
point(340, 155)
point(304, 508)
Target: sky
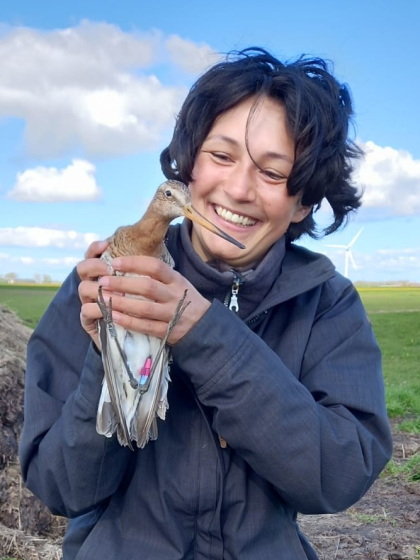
point(89, 93)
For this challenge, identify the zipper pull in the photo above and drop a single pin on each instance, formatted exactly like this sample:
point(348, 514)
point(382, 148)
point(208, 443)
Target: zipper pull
point(222, 442)
point(234, 304)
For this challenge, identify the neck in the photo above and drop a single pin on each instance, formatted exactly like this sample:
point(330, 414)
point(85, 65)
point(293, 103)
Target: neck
point(216, 284)
point(149, 232)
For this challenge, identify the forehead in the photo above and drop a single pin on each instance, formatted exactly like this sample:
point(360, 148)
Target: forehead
point(258, 122)
point(252, 112)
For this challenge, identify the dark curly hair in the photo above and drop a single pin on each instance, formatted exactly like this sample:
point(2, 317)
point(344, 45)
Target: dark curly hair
point(318, 113)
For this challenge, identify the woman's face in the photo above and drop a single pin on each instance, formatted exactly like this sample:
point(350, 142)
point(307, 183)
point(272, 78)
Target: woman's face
point(249, 203)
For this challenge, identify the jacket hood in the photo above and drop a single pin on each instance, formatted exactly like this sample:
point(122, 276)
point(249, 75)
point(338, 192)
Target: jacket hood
point(288, 270)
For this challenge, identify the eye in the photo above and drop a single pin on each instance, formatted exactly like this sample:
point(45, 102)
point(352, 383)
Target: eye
point(168, 193)
point(274, 176)
point(221, 156)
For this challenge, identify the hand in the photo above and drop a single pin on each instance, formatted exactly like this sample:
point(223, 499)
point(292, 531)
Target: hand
point(147, 303)
point(89, 271)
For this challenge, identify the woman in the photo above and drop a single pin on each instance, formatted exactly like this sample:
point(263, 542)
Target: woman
point(276, 401)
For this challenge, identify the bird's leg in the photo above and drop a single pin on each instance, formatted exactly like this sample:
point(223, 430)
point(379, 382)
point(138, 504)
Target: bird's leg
point(110, 325)
point(180, 308)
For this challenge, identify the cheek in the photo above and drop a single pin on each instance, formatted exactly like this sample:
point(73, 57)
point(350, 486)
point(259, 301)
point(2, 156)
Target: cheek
point(283, 205)
point(200, 186)
point(196, 191)
point(198, 169)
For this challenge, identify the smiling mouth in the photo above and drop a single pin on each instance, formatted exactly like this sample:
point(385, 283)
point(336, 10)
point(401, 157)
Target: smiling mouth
point(237, 219)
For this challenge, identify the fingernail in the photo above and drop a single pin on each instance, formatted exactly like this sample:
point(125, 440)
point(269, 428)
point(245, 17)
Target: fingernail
point(116, 263)
point(103, 281)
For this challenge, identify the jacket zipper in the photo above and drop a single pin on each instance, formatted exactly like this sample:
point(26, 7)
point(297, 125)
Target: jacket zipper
point(231, 299)
point(255, 319)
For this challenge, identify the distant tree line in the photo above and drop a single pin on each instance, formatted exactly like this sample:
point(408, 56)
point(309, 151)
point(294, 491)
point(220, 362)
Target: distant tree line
point(12, 278)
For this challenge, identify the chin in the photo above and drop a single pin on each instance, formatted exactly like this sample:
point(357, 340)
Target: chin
point(210, 247)
point(221, 250)
point(228, 255)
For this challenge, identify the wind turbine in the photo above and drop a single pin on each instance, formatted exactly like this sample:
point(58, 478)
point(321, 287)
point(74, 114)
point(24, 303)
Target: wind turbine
point(348, 253)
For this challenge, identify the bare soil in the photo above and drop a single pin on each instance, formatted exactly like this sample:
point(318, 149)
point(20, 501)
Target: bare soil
point(384, 525)
point(27, 530)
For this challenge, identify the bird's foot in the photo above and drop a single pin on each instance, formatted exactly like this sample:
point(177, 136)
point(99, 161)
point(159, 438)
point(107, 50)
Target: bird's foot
point(180, 308)
point(105, 310)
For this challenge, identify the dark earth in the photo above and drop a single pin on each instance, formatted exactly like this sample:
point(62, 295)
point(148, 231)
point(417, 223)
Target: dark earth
point(384, 525)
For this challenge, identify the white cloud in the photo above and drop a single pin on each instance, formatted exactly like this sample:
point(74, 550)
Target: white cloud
point(90, 86)
point(391, 181)
point(49, 184)
point(407, 252)
point(400, 264)
point(190, 57)
point(399, 260)
point(382, 264)
point(41, 237)
point(68, 262)
point(26, 260)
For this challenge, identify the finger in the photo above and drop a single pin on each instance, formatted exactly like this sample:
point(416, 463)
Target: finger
point(140, 308)
point(96, 249)
point(88, 291)
point(144, 266)
point(151, 327)
point(89, 321)
point(91, 268)
point(153, 318)
point(141, 286)
point(90, 313)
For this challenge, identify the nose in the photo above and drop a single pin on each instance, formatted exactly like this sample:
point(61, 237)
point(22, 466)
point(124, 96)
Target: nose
point(242, 181)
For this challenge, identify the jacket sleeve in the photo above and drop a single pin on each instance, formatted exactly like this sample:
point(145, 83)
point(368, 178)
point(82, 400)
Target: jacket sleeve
point(64, 461)
point(320, 434)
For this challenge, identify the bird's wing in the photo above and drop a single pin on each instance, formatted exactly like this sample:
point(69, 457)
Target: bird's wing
point(163, 404)
point(106, 420)
point(108, 341)
point(166, 256)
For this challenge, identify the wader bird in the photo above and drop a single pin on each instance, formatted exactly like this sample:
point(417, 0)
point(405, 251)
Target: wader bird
point(134, 390)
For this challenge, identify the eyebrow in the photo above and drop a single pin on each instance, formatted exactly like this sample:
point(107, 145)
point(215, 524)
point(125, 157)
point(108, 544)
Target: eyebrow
point(273, 155)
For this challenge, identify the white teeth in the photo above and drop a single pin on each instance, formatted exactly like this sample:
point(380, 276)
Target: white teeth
point(234, 218)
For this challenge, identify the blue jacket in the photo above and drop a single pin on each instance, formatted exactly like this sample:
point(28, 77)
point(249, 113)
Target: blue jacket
point(295, 390)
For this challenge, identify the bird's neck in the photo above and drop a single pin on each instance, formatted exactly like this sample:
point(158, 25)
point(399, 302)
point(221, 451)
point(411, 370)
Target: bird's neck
point(152, 227)
point(145, 237)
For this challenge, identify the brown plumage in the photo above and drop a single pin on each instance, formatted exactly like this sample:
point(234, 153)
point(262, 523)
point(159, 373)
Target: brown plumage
point(134, 391)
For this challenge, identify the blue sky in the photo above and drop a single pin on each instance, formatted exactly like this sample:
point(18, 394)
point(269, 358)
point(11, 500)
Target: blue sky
point(89, 92)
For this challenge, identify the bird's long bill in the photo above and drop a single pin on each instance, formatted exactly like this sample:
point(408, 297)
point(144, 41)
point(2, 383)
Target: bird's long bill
point(192, 214)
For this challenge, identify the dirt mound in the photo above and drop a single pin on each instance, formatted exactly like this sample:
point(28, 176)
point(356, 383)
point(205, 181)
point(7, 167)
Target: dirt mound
point(384, 525)
point(25, 524)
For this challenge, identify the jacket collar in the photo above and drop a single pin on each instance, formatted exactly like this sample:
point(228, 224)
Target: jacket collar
point(287, 270)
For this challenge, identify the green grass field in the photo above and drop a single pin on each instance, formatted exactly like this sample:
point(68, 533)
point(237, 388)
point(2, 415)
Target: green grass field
point(395, 316)
point(390, 300)
point(28, 301)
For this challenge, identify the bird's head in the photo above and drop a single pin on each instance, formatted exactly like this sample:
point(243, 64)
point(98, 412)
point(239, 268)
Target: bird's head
point(174, 201)
point(172, 197)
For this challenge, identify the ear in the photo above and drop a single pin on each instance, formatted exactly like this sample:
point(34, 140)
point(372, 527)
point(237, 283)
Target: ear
point(301, 213)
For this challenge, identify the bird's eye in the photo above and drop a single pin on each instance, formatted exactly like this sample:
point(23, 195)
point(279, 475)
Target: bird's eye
point(168, 193)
